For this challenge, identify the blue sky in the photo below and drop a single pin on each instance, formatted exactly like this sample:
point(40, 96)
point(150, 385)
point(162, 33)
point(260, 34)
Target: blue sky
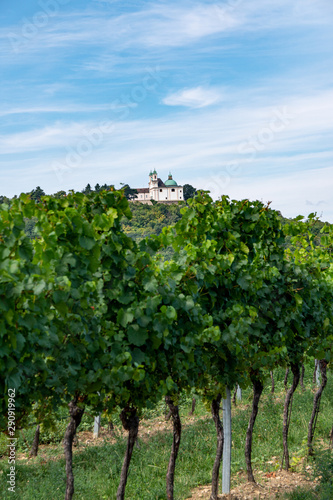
point(234, 96)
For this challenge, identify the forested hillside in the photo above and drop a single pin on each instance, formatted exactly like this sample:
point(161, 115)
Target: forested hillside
point(150, 219)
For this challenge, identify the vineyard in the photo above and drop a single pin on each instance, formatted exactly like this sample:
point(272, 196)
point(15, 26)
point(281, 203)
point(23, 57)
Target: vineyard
point(92, 319)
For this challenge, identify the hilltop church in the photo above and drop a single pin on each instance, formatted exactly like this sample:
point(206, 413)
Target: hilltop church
point(164, 192)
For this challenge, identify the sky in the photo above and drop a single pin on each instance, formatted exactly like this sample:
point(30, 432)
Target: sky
point(234, 97)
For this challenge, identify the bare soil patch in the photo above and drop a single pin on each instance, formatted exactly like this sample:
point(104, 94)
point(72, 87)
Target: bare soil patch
point(268, 486)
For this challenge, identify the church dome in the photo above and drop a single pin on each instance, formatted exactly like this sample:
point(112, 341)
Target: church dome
point(170, 181)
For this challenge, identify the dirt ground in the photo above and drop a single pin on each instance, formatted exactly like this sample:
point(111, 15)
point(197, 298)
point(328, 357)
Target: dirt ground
point(267, 487)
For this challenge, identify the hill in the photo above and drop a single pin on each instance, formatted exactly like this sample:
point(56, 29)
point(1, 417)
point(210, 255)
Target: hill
point(150, 219)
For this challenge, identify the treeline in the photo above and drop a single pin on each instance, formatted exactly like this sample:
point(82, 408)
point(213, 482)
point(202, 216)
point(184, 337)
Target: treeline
point(92, 318)
point(37, 193)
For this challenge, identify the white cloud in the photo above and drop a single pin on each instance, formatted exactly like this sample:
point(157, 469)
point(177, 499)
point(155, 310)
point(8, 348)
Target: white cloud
point(175, 26)
point(42, 139)
point(197, 97)
point(158, 26)
point(201, 148)
point(214, 134)
point(58, 108)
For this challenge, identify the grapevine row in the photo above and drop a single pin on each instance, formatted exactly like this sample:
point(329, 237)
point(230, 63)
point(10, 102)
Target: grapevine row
point(89, 317)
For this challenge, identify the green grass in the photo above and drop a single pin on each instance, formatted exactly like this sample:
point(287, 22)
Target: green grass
point(97, 468)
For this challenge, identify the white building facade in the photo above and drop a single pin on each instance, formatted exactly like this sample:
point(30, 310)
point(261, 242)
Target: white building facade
point(164, 192)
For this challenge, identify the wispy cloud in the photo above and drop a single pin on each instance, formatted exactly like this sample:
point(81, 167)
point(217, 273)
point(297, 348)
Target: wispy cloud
point(58, 108)
point(175, 26)
point(197, 97)
point(309, 120)
point(170, 25)
point(42, 139)
point(209, 138)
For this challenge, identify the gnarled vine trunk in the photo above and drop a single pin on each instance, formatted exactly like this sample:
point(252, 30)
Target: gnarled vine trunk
point(168, 416)
point(76, 414)
point(110, 427)
point(193, 407)
point(257, 391)
point(177, 430)
point(35, 443)
point(130, 421)
point(316, 405)
point(219, 450)
point(287, 412)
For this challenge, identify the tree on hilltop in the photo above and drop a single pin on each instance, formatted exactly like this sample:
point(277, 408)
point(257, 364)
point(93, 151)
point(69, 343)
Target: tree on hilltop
point(60, 194)
point(87, 189)
point(189, 191)
point(37, 193)
point(129, 192)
